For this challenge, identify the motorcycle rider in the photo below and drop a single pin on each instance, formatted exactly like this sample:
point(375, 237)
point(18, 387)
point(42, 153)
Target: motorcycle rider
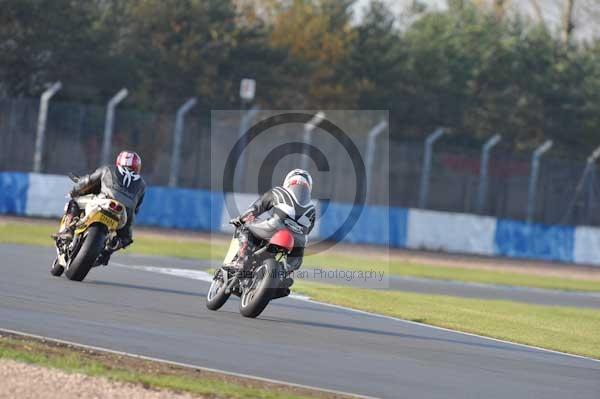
point(121, 182)
point(292, 208)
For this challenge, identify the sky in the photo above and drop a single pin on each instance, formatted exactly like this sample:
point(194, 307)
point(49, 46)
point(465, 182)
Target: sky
point(587, 12)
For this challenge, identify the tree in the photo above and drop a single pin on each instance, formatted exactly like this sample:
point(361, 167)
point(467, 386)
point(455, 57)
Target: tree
point(498, 6)
point(317, 34)
point(567, 21)
point(178, 47)
point(377, 59)
point(49, 40)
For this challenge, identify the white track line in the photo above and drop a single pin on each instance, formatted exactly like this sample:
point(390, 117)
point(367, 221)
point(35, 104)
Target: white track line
point(186, 365)
point(204, 276)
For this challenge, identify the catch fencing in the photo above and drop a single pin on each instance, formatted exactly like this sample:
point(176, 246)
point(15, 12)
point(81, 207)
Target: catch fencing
point(567, 191)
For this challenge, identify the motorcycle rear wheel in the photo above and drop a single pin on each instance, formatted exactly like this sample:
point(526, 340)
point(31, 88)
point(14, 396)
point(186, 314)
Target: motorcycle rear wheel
point(216, 296)
point(90, 249)
point(255, 300)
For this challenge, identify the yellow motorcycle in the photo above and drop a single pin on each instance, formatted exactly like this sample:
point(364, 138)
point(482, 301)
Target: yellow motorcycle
point(95, 229)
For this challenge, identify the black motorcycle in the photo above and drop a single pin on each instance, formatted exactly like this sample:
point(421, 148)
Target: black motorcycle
point(260, 282)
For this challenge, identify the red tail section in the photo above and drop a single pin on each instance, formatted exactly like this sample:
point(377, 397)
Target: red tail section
point(284, 239)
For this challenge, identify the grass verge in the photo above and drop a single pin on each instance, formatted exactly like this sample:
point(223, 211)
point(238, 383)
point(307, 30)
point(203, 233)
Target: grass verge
point(564, 329)
point(144, 372)
point(470, 275)
point(38, 234)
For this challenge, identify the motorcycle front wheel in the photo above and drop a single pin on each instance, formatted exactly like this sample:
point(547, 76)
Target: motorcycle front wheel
point(256, 298)
point(216, 296)
point(56, 270)
point(90, 249)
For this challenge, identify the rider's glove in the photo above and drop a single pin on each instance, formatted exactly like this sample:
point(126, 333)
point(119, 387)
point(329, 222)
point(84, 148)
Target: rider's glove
point(242, 219)
point(249, 218)
point(237, 222)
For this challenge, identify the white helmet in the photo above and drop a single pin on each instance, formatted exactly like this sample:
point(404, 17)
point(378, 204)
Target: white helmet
point(299, 183)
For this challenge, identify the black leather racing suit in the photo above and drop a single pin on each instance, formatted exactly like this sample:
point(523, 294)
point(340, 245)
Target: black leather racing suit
point(116, 183)
point(286, 212)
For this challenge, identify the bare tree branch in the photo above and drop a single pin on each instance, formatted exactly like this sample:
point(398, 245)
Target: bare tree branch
point(567, 26)
point(538, 11)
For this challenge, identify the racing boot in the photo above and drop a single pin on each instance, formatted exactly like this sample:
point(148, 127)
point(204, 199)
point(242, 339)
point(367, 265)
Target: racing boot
point(104, 258)
point(116, 244)
point(71, 214)
point(288, 282)
point(281, 292)
point(284, 290)
point(242, 261)
point(68, 231)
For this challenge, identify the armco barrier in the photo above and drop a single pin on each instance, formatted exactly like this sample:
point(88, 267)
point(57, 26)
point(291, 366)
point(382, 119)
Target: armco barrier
point(371, 227)
point(46, 196)
point(450, 232)
point(43, 195)
point(587, 245)
point(181, 209)
point(534, 241)
point(398, 227)
point(13, 193)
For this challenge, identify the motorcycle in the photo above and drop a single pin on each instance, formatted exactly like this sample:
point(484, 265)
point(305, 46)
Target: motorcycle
point(95, 230)
point(259, 282)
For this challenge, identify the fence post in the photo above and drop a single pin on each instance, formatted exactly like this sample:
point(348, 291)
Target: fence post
point(591, 193)
point(594, 157)
point(371, 146)
point(40, 135)
point(244, 121)
point(426, 172)
point(483, 172)
point(308, 129)
point(109, 124)
point(535, 168)
point(177, 139)
point(589, 169)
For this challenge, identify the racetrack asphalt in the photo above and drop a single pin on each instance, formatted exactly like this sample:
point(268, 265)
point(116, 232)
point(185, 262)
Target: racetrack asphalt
point(164, 316)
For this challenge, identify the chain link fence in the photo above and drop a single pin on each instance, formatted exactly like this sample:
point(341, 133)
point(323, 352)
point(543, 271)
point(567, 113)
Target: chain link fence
point(74, 133)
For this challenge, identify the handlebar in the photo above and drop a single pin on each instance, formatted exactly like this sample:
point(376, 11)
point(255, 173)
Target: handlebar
point(74, 178)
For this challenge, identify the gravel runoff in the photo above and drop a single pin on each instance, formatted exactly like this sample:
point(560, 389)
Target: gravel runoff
point(16, 381)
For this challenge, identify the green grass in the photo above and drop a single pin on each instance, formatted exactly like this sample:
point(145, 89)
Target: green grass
point(453, 273)
point(564, 329)
point(38, 234)
point(73, 362)
point(23, 233)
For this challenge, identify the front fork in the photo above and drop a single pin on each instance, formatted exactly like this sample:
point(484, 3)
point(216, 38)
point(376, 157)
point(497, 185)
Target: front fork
point(229, 280)
point(64, 249)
